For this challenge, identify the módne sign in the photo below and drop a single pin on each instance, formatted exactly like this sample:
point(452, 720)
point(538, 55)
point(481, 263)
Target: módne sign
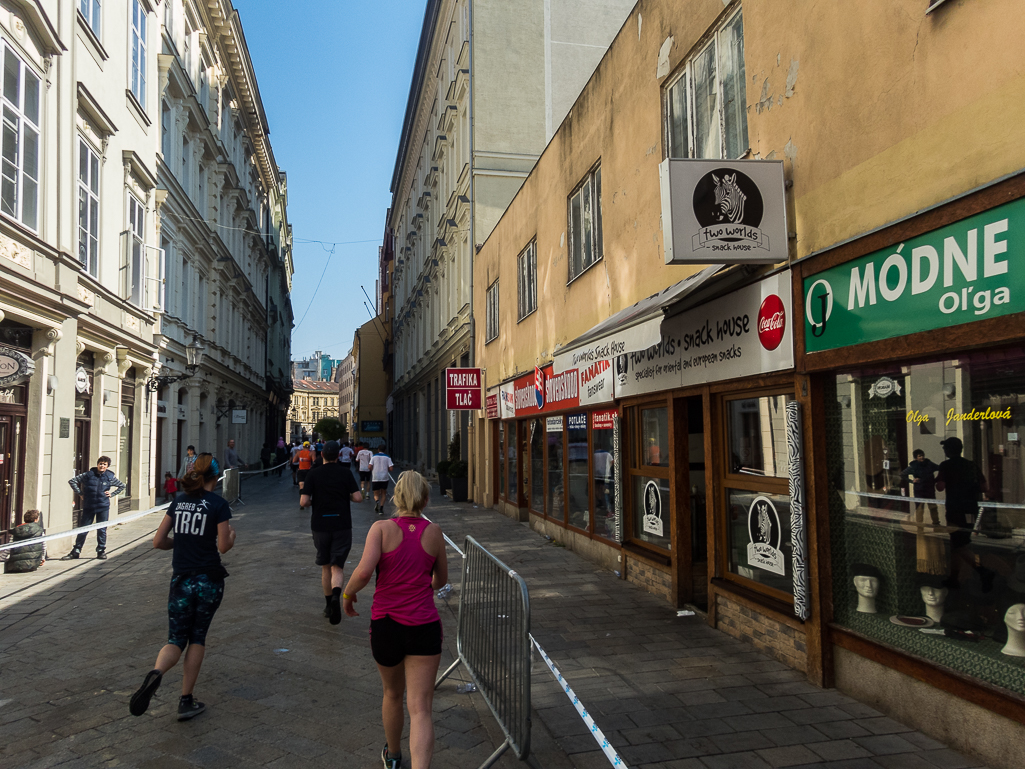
point(463, 389)
point(966, 271)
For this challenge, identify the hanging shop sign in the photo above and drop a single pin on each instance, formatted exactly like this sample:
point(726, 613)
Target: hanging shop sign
point(15, 366)
point(746, 333)
point(462, 389)
point(731, 212)
point(507, 401)
point(763, 550)
point(82, 380)
point(544, 391)
point(553, 425)
point(372, 426)
point(491, 406)
point(238, 416)
point(161, 408)
point(970, 270)
point(652, 522)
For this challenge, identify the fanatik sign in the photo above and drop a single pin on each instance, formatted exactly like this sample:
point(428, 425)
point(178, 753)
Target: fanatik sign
point(462, 389)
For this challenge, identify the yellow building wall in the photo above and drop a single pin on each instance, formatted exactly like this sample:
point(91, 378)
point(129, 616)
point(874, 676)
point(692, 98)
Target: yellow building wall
point(877, 109)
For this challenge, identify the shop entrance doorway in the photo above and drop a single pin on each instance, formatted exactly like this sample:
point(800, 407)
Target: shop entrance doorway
point(12, 460)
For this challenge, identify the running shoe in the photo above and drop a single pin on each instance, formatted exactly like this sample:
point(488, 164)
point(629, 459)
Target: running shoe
point(140, 700)
point(189, 708)
point(101, 555)
point(335, 608)
point(390, 763)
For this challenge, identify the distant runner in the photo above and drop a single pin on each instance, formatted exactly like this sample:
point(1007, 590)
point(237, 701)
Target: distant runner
point(363, 457)
point(329, 489)
point(381, 467)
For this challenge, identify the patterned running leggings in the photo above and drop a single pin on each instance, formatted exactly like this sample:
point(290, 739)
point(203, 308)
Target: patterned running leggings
point(191, 604)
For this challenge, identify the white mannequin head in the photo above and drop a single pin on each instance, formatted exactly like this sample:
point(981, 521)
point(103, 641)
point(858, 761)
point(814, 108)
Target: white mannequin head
point(934, 596)
point(1014, 618)
point(867, 580)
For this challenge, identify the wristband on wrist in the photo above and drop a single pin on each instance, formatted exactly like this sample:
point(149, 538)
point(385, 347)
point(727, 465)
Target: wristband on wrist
point(347, 596)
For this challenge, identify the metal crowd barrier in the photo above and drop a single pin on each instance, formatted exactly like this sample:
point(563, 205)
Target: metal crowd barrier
point(493, 642)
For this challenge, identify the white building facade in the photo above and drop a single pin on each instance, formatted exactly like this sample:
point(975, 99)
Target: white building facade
point(491, 83)
point(90, 292)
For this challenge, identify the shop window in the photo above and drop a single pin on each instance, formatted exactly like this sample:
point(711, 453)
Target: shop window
point(759, 546)
point(927, 510)
point(648, 484)
point(706, 103)
point(555, 503)
point(501, 457)
point(511, 492)
point(537, 466)
point(602, 472)
point(577, 467)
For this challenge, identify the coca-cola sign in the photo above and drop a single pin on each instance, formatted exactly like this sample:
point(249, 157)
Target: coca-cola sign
point(772, 322)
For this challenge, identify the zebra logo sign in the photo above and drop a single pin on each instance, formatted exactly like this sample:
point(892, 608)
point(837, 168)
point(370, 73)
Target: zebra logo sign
point(723, 211)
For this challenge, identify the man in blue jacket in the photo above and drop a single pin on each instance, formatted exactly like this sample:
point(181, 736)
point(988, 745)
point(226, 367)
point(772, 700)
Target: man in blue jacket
point(95, 487)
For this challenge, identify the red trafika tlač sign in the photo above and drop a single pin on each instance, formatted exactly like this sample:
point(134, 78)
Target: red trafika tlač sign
point(462, 389)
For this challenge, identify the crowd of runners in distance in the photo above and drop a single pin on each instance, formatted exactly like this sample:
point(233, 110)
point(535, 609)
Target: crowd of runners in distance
point(405, 551)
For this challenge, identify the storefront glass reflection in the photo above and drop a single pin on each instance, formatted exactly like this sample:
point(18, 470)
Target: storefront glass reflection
point(555, 507)
point(579, 478)
point(927, 497)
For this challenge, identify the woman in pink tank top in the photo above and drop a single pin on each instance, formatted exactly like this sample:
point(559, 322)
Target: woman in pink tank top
point(408, 554)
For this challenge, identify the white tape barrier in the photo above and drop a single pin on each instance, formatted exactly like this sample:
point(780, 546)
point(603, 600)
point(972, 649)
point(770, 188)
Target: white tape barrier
point(261, 470)
point(592, 727)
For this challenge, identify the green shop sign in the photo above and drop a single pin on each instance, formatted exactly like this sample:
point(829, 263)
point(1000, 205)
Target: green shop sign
point(967, 271)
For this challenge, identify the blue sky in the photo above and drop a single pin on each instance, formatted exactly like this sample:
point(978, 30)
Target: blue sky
point(334, 76)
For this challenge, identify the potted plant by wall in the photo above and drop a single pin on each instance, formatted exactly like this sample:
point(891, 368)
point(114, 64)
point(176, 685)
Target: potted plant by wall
point(457, 471)
point(443, 479)
point(454, 449)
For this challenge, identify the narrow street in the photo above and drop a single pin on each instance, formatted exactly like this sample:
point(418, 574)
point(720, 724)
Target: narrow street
point(284, 688)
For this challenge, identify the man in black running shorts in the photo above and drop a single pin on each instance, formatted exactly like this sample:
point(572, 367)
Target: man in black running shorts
point(328, 489)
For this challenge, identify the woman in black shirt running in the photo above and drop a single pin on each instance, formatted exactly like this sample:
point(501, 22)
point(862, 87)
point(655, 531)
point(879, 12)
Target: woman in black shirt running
point(199, 521)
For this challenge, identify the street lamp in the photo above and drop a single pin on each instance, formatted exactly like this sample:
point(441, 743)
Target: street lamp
point(193, 357)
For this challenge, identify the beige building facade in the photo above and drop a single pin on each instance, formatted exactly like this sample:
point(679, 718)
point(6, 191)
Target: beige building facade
point(890, 179)
point(311, 402)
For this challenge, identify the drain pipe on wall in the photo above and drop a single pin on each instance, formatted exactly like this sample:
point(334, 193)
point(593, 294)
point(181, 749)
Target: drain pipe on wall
point(470, 422)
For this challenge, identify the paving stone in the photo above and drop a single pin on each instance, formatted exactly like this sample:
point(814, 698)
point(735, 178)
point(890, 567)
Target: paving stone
point(836, 750)
point(792, 755)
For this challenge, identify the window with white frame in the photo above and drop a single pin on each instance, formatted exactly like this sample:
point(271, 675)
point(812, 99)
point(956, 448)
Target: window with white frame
point(492, 313)
point(19, 167)
point(526, 269)
point(165, 131)
point(169, 18)
point(585, 239)
point(137, 59)
point(91, 11)
point(185, 310)
point(88, 208)
point(133, 268)
point(184, 178)
point(706, 103)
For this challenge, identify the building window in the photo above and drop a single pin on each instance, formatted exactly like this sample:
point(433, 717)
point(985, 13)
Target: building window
point(165, 131)
point(492, 313)
point(185, 164)
point(526, 265)
point(88, 207)
point(585, 240)
point(757, 494)
point(137, 71)
point(133, 268)
point(706, 104)
point(91, 11)
point(19, 183)
point(927, 508)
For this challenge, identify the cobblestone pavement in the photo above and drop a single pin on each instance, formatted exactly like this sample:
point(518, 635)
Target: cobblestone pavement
point(284, 688)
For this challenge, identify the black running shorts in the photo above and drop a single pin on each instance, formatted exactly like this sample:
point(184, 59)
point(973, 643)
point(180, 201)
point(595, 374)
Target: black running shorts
point(332, 547)
point(301, 476)
point(391, 641)
point(364, 475)
point(378, 485)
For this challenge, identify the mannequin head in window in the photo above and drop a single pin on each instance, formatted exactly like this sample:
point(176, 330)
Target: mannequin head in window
point(934, 590)
point(867, 581)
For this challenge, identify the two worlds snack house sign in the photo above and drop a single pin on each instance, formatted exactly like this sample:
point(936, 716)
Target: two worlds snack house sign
point(970, 270)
